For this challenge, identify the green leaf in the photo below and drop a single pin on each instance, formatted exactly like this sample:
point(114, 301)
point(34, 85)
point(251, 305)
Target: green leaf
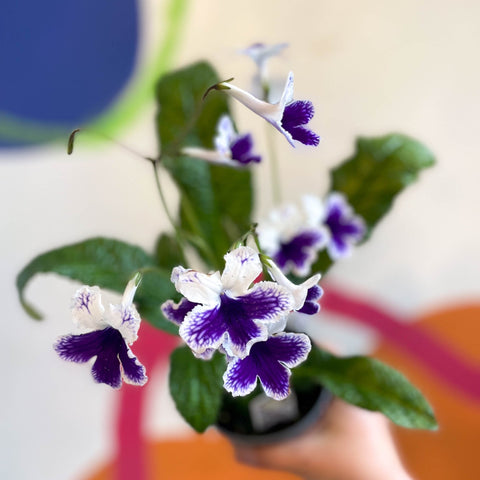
point(153, 315)
point(216, 201)
point(155, 289)
point(378, 171)
point(98, 261)
point(196, 387)
point(168, 253)
point(372, 178)
point(370, 384)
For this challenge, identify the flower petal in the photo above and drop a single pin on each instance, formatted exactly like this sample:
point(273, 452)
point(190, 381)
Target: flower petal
point(313, 210)
point(212, 156)
point(197, 287)
point(87, 308)
point(177, 312)
point(287, 94)
point(290, 349)
point(130, 289)
point(311, 305)
point(133, 371)
point(345, 227)
point(295, 115)
point(242, 330)
point(266, 302)
point(225, 136)
point(260, 53)
point(106, 368)
point(269, 361)
point(242, 267)
point(241, 150)
point(80, 348)
point(240, 378)
point(126, 320)
point(203, 328)
point(269, 111)
point(275, 381)
point(299, 292)
point(298, 254)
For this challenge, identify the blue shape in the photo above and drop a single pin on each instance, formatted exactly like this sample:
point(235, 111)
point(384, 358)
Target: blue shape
point(63, 62)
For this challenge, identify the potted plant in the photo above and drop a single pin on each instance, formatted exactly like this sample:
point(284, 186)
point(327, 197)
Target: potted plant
point(233, 311)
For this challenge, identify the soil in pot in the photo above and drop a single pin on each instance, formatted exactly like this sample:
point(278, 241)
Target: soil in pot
point(258, 419)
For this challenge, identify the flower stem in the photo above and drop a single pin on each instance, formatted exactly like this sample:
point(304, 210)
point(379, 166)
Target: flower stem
point(178, 233)
point(274, 170)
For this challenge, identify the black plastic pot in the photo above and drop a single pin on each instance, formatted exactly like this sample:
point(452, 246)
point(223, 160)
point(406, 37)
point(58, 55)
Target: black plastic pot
point(257, 419)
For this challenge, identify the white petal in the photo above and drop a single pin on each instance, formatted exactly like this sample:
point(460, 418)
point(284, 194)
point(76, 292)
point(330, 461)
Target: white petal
point(313, 210)
point(259, 52)
point(126, 320)
point(225, 136)
point(271, 112)
point(213, 156)
point(242, 267)
point(130, 290)
point(278, 326)
point(198, 287)
point(87, 308)
point(287, 95)
point(282, 225)
point(299, 292)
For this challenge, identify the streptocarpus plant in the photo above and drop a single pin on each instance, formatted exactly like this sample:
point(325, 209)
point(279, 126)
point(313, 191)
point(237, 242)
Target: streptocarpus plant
point(233, 311)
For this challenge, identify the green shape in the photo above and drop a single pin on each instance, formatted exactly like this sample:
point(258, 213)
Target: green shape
point(370, 384)
point(154, 316)
point(168, 253)
point(216, 201)
point(371, 179)
point(155, 289)
point(196, 387)
point(98, 261)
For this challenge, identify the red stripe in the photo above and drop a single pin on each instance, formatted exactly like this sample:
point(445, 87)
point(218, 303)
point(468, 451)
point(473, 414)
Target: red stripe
point(446, 364)
point(153, 350)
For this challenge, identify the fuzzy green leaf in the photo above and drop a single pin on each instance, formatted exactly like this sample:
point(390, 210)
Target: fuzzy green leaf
point(371, 179)
point(168, 253)
point(98, 261)
point(370, 384)
point(196, 387)
point(216, 201)
point(154, 290)
point(380, 169)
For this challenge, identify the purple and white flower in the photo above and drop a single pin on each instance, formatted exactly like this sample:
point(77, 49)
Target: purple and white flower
point(230, 313)
point(345, 228)
point(289, 117)
point(106, 335)
point(270, 361)
point(231, 148)
point(292, 235)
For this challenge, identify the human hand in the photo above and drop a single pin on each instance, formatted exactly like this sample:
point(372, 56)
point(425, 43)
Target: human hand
point(347, 443)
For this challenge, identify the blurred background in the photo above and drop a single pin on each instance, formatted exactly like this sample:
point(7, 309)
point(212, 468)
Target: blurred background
point(370, 68)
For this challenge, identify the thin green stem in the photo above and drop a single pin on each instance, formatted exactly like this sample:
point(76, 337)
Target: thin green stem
point(274, 170)
point(178, 233)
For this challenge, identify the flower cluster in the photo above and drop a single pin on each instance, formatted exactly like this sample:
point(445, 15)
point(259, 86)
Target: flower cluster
point(244, 320)
point(293, 235)
point(106, 335)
